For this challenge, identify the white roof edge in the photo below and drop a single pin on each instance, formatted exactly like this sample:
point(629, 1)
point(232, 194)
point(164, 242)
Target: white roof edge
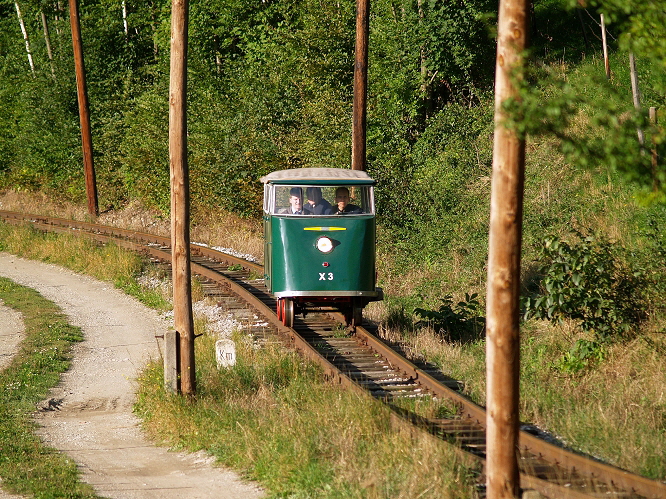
point(316, 174)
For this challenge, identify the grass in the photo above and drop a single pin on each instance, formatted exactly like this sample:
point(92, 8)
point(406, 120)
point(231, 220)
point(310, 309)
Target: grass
point(615, 411)
point(274, 417)
point(212, 228)
point(27, 466)
point(80, 254)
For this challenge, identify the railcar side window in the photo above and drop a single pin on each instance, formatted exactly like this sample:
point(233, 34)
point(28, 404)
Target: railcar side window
point(322, 200)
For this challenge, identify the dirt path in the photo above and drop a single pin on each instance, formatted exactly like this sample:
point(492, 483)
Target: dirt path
point(92, 418)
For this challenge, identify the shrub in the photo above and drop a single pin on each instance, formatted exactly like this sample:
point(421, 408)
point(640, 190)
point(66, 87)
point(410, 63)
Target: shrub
point(589, 281)
point(460, 321)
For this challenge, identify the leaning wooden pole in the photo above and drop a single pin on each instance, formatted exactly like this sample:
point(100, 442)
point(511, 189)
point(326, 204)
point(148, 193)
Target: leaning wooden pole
point(502, 333)
point(636, 95)
point(84, 111)
point(656, 184)
point(605, 48)
point(180, 196)
point(25, 37)
point(360, 84)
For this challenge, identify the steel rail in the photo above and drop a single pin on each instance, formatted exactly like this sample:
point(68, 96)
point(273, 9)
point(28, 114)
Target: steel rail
point(530, 446)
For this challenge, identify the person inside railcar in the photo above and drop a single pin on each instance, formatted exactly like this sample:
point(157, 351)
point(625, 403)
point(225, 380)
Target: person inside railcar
point(343, 206)
point(295, 203)
point(316, 204)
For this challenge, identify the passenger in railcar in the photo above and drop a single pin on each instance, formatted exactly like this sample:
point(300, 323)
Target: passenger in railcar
point(342, 203)
point(316, 204)
point(295, 203)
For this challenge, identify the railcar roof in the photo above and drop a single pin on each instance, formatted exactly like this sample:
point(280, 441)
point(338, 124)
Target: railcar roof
point(317, 176)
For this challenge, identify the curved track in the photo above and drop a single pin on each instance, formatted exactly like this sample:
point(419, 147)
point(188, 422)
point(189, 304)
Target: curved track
point(361, 361)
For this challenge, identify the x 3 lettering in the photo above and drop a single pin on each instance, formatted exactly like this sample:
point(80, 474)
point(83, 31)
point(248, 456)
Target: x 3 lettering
point(323, 276)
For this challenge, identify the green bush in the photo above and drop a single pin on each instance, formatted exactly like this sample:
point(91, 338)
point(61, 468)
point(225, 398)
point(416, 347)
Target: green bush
point(460, 322)
point(589, 281)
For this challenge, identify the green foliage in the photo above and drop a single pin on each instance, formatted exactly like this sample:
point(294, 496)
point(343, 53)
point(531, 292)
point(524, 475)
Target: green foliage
point(463, 320)
point(588, 281)
point(641, 27)
point(594, 119)
point(581, 356)
point(270, 87)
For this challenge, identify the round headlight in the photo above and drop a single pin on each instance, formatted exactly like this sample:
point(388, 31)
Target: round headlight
point(324, 244)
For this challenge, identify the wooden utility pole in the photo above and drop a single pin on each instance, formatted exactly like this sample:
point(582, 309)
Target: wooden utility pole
point(502, 330)
point(180, 196)
point(605, 47)
point(360, 84)
point(84, 111)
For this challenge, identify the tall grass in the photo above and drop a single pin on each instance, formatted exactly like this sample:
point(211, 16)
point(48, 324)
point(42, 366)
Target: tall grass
point(615, 411)
point(274, 417)
point(80, 254)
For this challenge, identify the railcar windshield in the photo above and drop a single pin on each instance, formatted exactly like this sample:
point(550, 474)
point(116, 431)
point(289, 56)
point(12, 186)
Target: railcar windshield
point(320, 200)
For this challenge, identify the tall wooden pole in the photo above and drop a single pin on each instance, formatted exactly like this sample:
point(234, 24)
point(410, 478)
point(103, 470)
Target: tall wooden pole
point(84, 111)
point(360, 84)
point(502, 331)
point(180, 196)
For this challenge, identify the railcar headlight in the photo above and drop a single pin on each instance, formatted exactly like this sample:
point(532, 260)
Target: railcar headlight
point(324, 244)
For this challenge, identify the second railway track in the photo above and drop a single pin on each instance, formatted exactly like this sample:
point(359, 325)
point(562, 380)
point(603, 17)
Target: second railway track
point(361, 361)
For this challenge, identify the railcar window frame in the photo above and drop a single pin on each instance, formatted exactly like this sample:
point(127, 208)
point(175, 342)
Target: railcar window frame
point(275, 202)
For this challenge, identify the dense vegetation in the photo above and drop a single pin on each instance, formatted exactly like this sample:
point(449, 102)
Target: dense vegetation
point(271, 87)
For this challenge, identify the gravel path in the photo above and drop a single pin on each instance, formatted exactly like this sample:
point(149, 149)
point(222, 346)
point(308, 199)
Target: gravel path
point(92, 418)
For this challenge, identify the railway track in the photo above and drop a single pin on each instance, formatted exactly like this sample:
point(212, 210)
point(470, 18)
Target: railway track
point(363, 362)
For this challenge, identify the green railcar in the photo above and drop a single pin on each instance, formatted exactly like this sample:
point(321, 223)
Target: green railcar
point(319, 231)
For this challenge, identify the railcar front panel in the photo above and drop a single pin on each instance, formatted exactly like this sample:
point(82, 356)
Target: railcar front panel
point(305, 263)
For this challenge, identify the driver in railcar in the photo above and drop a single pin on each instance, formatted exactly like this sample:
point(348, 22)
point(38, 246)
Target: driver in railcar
point(342, 203)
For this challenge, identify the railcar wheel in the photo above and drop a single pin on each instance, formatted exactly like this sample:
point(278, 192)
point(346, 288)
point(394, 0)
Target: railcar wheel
point(288, 312)
point(353, 315)
point(357, 316)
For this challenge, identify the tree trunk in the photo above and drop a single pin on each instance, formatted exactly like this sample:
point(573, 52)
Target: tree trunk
point(636, 94)
point(47, 41)
point(25, 37)
point(605, 47)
